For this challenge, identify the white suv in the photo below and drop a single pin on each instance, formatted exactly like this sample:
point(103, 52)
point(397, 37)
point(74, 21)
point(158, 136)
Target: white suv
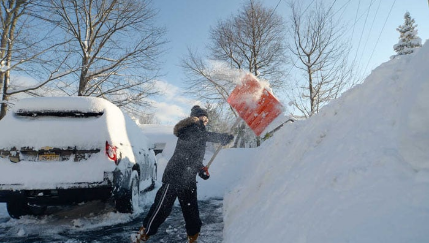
point(65, 150)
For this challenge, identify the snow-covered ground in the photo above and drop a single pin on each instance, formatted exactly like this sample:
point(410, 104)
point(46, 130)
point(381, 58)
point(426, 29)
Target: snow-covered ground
point(357, 172)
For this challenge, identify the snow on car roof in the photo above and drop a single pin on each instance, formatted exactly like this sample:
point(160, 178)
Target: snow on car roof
point(84, 104)
point(88, 133)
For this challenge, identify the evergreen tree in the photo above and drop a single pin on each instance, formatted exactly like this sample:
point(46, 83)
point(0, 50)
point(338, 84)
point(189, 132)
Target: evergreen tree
point(408, 39)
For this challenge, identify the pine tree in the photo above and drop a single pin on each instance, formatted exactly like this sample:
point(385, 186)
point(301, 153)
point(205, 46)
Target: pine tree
point(408, 39)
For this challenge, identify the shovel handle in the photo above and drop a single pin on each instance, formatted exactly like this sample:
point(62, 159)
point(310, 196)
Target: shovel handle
point(220, 147)
point(213, 157)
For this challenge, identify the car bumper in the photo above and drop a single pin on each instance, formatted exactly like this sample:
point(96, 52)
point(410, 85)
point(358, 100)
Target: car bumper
point(107, 181)
point(68, 193)
point(57, 197)
point(30, 175)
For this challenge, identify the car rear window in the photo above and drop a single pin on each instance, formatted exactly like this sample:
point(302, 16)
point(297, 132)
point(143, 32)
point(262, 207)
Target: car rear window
point(73, 114)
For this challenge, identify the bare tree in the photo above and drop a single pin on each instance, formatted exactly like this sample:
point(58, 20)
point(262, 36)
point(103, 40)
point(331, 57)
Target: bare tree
point(147, 118)
point(219, 117)
point(321, 56)
point(208, 80)
point(21, 50)
point(253, 41)
point(114, 49)
point(213, 82)
point(11, 12)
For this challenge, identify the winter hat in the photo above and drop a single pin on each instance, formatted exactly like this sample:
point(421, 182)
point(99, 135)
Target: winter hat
point(198, 111)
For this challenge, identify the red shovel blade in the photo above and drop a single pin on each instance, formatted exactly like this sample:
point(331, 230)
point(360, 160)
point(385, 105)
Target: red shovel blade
point(254, 104)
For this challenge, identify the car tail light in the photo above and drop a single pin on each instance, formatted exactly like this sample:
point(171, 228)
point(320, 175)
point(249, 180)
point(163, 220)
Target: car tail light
point(111, 152)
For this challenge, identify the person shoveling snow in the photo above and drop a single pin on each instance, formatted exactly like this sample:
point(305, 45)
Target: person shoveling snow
point(179, 178)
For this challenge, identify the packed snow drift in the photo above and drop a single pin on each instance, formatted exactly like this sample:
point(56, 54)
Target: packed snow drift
point(356, 172)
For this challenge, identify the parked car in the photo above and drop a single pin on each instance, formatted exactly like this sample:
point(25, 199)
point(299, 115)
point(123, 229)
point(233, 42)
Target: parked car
point(68, 150)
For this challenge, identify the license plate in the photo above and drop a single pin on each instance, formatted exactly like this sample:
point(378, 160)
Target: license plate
point(49, 157)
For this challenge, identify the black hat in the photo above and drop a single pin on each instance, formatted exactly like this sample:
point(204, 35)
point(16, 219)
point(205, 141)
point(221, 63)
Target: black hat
point(198, 111)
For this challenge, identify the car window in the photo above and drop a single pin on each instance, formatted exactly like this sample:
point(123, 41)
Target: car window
point(73, 114)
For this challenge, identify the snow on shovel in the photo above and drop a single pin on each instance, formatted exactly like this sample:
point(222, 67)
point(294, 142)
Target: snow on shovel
point(255, 104)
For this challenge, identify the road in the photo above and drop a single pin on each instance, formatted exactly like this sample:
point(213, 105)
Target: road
point(97, 222)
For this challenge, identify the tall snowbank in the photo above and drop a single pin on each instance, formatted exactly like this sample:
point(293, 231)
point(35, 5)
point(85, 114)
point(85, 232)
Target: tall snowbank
point(356, 172)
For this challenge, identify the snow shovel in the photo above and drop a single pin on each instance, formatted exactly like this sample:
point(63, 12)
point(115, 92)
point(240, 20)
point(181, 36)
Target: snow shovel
point(255, 104)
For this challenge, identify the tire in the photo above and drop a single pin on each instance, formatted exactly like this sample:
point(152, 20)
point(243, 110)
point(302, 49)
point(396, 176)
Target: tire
point(129, 203)
point(17, 208)
point(37, 209)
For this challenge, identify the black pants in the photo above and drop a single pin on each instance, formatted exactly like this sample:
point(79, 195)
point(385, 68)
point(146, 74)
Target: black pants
point(163, 205)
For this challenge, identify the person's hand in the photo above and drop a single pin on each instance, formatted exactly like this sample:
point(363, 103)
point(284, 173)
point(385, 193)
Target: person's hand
point(204, 173)
point(227, 139)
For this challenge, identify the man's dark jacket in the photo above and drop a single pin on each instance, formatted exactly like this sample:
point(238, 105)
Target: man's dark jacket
point(188, 156)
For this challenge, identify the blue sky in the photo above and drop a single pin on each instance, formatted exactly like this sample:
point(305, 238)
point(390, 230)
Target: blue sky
point(188, 23)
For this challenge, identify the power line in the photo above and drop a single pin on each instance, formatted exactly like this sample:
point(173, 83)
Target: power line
point(370, 29)
point(308, 6)
point(354, 26)
point(390, 11)
point(274, 9)
point(344, 5)
point(277, 6)
point(332, 5)
point(293, 64)
point(278, 3)
point(363, 30)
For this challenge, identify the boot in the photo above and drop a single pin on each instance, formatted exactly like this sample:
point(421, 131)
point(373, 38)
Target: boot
point(193, 238)
point(140, 236)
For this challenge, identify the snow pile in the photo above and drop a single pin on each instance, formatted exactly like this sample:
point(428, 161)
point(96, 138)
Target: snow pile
point(356, 172)
point(230, 167)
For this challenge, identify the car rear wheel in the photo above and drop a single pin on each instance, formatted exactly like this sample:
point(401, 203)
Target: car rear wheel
point(129, 203)
point(37, 209)
point(17, 208)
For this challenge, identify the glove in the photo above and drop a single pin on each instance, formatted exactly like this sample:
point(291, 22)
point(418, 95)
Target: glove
point(227, 139)
point(204, 173)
